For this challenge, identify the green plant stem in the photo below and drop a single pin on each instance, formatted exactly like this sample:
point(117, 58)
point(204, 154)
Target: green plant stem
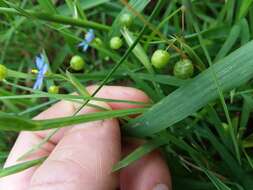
point(57, 19)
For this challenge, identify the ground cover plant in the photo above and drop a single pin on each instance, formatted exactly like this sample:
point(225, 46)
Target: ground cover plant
point(193, 58)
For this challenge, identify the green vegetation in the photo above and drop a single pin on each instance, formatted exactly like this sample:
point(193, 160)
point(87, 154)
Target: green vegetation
point(193, 58)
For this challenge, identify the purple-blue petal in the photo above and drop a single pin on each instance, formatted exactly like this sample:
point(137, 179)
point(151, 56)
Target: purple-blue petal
point(89, 36)
point(38, 83)
point(44, 69)
point(39, 62)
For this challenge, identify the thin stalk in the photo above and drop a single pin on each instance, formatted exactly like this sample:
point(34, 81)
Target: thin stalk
point(57, 19)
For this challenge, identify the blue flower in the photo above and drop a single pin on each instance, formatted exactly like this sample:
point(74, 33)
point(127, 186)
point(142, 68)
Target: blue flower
point(42, 68)
point(88, 38)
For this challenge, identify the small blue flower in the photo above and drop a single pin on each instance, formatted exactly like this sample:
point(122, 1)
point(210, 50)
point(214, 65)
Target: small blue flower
point(42, 68)
point(88, 38)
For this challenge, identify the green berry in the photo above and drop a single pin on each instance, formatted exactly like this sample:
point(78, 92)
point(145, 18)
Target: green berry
point(3, 72)
point(126, 20)
point(160, 58)
point(183, 69)
point(77, 63)
point(98, 41)
point(116, 42)
point(53, 89)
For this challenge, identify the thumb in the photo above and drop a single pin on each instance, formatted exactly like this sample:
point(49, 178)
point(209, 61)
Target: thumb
point(83, 159)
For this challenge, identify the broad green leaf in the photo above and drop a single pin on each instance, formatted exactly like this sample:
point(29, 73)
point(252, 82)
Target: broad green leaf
point(232, 71)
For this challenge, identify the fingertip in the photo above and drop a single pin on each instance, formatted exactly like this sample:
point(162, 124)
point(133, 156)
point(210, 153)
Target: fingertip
point(120, 93)
point(150, 172)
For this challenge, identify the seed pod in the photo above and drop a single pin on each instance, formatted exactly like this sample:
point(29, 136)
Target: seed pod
point(3, 72)
point(77, 63)
point(53, 89)
point(126, 20)
point(160, 58)
point(183, 69)
point(116, 43)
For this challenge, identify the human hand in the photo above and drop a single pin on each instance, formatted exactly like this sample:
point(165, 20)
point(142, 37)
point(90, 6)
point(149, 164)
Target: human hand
point(82, 156)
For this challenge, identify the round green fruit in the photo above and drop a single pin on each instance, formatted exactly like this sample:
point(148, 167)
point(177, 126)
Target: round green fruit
point(3, 72)
point(77, 63)
point(126, 20)
point(160, 58)
point(183, 69)
point(53, 89)
point(98, 41)
point(116, 43)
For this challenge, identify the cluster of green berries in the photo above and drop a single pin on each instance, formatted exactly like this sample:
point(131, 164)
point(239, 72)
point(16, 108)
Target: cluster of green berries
point(183, 69)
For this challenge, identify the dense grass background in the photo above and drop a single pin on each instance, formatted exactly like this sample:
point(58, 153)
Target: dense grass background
point(201, 124)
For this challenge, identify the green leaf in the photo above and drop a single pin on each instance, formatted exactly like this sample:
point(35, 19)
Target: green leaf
point(230, 41)
point(20, 167)
point(139, 153)
point(76, 83)
point(14, 123)
point(87, 4)
point(244, 8)
point(232, 71)
point(48, 6)
point(245, 31)
point(138, 51)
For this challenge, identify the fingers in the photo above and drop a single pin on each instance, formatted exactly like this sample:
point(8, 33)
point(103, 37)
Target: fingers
point(83, 159)
point(25, 142)
point(150, 172)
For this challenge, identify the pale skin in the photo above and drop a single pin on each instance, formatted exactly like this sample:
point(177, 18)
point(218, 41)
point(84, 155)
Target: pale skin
point(81, 157)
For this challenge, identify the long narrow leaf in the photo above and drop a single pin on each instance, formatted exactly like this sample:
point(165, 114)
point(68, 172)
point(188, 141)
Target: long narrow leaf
point(15, 123)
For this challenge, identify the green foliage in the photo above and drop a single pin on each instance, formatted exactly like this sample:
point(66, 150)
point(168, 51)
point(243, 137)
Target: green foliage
point(202, 125)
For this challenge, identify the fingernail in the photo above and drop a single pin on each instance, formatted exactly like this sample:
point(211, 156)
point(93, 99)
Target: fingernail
point(161, 187)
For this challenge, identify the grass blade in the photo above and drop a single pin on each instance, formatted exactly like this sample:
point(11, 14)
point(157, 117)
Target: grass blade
point(15, 123)
point(20, 167)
